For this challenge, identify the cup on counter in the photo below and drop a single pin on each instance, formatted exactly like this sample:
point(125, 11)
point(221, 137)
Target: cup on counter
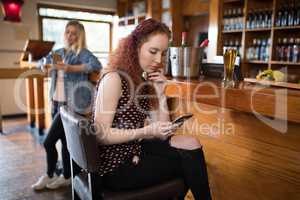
point(229, 63)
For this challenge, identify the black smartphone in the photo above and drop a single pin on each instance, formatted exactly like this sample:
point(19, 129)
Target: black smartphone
point(182, 118)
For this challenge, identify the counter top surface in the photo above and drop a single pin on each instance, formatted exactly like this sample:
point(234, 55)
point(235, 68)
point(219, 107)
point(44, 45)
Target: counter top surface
point(270, 101)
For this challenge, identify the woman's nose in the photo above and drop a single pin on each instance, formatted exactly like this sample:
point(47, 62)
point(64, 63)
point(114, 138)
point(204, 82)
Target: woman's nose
point(158, 58)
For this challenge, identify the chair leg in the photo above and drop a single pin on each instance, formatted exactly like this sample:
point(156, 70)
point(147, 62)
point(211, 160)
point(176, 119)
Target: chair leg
point(74, 195)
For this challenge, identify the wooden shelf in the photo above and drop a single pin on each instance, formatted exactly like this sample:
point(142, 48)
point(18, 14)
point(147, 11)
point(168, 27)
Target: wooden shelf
point(286, 28)
point(232, 1)
point(233, 31)
point(258, 29)
point(256, 62)
point(131, 20)
point(283, 63)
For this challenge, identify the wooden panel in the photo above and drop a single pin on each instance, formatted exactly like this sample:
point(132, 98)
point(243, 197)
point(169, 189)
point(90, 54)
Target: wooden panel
point(274, 102)
point(195, 7)
point(13, 73)
point(195, 25)
point(177, 21)
point(154, 9)
point(213, 29)
point(30, 101)
point(246, 158)
point(39, 102)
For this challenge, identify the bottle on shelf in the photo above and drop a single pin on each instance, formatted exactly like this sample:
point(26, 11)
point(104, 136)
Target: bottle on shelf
point(204, 43)
point(240, 18)
point(284, 49)
point(296, 49)
point(229, 25)
point(257, 49)
point(270, 18)
point(289, 54)
point(291, 14)
point(284, 18)
point(262, 52)
point(278, 49)
point(297, 14)
point(225, 20)
point(267, 54)
point(249, 20)
point(278, 17)
point(234, 20)
point(184, 39)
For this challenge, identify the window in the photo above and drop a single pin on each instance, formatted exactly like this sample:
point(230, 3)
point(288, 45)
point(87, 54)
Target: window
point(98, 27)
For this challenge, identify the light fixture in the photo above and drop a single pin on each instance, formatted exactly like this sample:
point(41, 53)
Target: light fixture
point(12, 10)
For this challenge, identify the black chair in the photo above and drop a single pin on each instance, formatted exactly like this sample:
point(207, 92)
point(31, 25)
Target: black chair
point(84, 149)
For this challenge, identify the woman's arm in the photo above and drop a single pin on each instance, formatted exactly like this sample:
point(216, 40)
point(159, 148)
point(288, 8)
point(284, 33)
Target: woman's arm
point(89, 63)
point(109, 93)
point(161, 113)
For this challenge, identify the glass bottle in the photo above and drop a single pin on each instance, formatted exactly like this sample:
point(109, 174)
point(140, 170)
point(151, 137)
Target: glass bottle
point(225, 20)
point(183, 39)
point(278, 49)
point(225, 46)
point(262, 52)
point(270, 18)
point(296, 50)
point(229, 26)
point(267, 54)
point(233, 19)
point(254, 20)
point(240, 14)
point(291, 15)
point(284, 18)
point(290, 50)
point(249, 20)
point(284, 49)
point(297, 14)
point(260, 21)
point(257, 49)
point(278, 17)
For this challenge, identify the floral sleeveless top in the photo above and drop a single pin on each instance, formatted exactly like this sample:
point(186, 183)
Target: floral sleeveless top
point(131, 114)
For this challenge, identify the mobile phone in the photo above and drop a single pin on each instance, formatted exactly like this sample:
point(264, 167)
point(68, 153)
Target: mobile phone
point(182, 118)
point(56, 58)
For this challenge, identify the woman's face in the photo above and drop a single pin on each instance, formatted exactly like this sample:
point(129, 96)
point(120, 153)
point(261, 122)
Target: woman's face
point(71, 35)
point(152, 53)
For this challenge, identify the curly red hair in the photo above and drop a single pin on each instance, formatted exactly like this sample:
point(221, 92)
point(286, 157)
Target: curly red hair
point(125, 56)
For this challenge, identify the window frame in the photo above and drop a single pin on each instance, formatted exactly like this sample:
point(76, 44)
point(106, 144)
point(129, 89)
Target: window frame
point(40, 19)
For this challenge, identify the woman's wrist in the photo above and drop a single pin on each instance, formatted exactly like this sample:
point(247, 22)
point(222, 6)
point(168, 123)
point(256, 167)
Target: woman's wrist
point(67, 68)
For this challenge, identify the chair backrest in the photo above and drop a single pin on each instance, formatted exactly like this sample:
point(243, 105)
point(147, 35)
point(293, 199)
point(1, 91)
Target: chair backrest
point(81, 141)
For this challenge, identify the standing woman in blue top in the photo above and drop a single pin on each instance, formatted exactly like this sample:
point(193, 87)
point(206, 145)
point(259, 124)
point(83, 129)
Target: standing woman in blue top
point(69, 86)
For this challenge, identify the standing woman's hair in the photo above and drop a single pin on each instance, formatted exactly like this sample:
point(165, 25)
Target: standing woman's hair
point(81, 41)
point(125, 57)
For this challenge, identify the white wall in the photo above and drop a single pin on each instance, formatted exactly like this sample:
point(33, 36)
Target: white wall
point(14, 35)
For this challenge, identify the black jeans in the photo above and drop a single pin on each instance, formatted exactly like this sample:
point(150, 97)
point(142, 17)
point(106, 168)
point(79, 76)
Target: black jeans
point(55, 133)
point(161, 162)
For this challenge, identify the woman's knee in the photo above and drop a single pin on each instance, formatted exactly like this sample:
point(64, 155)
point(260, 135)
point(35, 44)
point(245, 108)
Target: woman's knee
point(185, 142)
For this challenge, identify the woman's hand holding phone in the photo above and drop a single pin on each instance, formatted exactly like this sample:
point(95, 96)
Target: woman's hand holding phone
point(161, 130)
point(181, 119)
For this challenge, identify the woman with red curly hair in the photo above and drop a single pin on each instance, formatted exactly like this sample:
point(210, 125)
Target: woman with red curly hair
point(134, 154)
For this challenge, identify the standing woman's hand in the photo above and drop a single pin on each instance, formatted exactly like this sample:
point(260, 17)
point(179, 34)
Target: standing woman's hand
point(61, 66)
point(159, 81)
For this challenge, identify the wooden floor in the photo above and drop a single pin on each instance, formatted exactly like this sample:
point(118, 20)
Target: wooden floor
point(22, 161)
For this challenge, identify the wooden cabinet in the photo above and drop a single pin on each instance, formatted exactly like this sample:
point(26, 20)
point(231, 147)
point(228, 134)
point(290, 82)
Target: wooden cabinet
point(264, 34)
point(179, 15)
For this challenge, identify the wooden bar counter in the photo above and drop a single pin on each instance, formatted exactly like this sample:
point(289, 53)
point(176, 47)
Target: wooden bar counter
point(250, 135)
